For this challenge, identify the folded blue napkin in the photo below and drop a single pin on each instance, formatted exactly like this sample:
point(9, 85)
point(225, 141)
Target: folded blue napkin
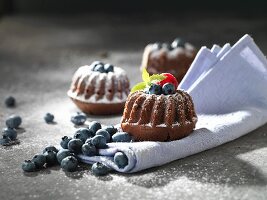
point(228, 87)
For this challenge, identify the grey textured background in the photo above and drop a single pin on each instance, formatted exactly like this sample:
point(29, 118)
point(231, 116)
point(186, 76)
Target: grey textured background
point(38, 56)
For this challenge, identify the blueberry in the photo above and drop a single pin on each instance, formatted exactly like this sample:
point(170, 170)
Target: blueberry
point(109, 68)
point(28, 166)
point(49, 118)
point(83, 134)
point(75, 145)
point(50, 148)
point(121, 159)
point(39, 160)
point(64, 142)
point(78, 119)
point(100, 169)
point(63, 153)
point(103, 133)
point(13, 121)
point(121, 137)
point(167, 46)
point(88, 141)
point(178, 42)
point(155, 89)
point(10, 132)
point(69, 164)
point(99, 68)
point(168, 88)
point(5, 140)
point(95, 63)
point(157, 45)
point(10, 101)
point(99, 141)
point(94, 126)
point(89, 149)
point(111, 130)
point(51, 157)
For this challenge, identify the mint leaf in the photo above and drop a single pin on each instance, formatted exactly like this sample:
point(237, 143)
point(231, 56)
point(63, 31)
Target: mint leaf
point(156, 77)
point(138, 86)
point(145, 75)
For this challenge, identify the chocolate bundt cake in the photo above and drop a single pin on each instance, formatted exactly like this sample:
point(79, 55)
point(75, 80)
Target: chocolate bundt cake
point(173, 58)
point(159, 113)
point(99, 89)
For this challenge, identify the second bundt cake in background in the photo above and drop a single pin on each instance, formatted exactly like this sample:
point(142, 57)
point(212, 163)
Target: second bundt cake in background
point(99, 89)
point(159, 112)
point(174, 58)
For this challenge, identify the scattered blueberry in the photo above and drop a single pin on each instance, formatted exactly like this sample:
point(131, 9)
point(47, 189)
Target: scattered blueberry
point(10, 101)
point(99, 141)
point(63, 153)
point(155, 89)
point(50, 148)
point(83, 134)
point(121, 137)
point(99, 68)
point(103, 133)
point(64, 142)
point(69, 164)
point(120, 159)
point(5, 140)
point(13, 121)
point(89, 149)
point(75, 145)
point(51, 157)
point(49, 118)
point(178, 42)
point(99, 169)
point(111, 130)
point(168, 88)
point(78, 119)
point(94, 126)
point(10, 132)
point(167, 46)
point(39, 160)
point(109, 68)
point(28, 166)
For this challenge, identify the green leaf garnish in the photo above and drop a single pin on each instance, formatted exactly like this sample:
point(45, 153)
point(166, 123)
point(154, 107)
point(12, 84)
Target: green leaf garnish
point(147, 80)
point(139, 86)
point(145, 75)
point(156, 77)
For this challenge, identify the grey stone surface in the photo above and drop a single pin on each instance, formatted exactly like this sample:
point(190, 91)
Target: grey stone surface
point(38, 56)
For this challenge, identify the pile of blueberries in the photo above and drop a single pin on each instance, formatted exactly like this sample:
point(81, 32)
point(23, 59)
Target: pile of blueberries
point(166, 89)
point(85, 141)
point(98, 66)
point(178, 42)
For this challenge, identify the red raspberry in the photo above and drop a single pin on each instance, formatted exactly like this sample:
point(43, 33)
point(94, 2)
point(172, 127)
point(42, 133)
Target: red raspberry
point(169, 79)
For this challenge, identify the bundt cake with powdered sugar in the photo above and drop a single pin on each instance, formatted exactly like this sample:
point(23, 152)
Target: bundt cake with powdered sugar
point(174, 58)
point(99, 89)
point(157, 111)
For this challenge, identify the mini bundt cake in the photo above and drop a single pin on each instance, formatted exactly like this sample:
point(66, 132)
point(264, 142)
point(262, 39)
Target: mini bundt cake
point(174, 58)
point(159, 112)
point(99, 89)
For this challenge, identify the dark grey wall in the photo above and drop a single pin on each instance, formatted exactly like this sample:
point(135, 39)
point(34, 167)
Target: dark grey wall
point(246, 7)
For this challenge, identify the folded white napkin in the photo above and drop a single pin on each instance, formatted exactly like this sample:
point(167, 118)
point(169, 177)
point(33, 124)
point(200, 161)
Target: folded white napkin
point(228, 89)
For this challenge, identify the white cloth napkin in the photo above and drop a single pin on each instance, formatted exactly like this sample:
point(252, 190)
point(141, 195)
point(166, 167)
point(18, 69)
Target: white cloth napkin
point(228, 89)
